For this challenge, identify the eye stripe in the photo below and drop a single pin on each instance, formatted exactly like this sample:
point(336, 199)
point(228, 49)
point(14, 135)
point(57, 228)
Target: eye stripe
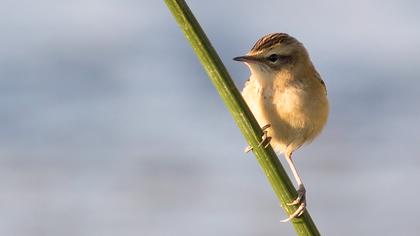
point(281, 58)
point(285, 58)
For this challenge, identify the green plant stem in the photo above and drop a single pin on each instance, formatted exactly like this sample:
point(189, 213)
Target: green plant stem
point(242, 115)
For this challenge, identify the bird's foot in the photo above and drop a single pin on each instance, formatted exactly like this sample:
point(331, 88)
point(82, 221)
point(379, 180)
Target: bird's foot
point(248, 149)
point(265, 139)
point(301, 201)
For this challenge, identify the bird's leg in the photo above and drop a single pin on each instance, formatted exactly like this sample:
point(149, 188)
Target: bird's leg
point(265, 139)
point(301, 198)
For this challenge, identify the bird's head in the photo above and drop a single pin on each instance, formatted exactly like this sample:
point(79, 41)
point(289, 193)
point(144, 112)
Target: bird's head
point(273, 53)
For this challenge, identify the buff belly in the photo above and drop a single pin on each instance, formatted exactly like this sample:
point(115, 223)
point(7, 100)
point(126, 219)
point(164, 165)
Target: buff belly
point(295, 116)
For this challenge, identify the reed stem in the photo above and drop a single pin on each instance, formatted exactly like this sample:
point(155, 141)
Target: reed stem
point(242, 115)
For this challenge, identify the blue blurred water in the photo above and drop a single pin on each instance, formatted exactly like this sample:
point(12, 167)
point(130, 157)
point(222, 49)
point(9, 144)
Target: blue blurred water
point(109, 125)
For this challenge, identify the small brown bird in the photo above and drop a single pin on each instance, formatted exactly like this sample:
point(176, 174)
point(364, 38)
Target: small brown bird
point(287, 97)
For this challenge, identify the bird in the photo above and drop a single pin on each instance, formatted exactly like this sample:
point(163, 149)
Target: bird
point(288, 98)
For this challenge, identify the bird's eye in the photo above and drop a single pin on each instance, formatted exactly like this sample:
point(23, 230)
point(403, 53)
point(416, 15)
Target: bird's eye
point(273, 57)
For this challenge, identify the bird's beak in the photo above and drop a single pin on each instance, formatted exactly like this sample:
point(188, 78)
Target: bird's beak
point(247, 58)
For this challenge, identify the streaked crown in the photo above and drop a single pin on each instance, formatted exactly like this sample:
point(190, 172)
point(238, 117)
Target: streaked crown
point(272, 40)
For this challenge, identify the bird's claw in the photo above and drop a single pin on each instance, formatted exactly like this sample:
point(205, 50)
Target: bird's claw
point(301, 196)
point(265, 139)
point(301, 200)
point(265, 127)
point(248, 149)
point(301, 209)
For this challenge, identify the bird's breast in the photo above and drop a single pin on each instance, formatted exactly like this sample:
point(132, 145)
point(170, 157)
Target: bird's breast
point(296, 114)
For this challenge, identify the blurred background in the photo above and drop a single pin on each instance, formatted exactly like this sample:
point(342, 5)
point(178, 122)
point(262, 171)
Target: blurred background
point(110, 126)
